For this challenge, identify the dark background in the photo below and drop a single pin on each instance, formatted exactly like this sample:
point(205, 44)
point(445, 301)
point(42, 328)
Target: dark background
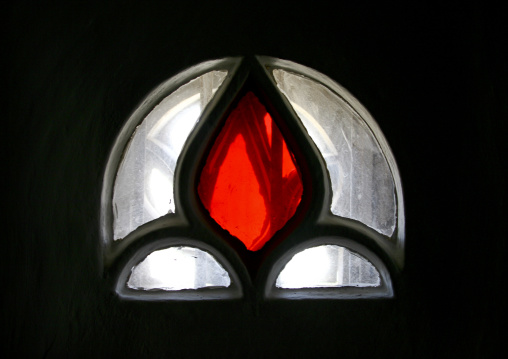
point(432, 76)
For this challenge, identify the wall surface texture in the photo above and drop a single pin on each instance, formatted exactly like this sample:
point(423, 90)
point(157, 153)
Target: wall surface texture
point(432, 77)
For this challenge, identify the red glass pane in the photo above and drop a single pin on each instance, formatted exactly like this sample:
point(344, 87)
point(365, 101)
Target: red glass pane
point(250, 184)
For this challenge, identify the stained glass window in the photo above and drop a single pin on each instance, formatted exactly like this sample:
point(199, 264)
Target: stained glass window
point(210, 169)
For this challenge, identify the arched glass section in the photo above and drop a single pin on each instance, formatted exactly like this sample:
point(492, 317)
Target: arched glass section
point(143, 189)
point(328, 266)
point(178, 268)
point(362, 183)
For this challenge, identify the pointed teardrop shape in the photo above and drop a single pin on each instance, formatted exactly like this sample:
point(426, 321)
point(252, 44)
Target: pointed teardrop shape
point(250, 184)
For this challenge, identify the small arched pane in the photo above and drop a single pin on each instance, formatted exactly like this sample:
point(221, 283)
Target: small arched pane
point(328, 266)
point(362, 183)
point(143, 189)
point(178, 268)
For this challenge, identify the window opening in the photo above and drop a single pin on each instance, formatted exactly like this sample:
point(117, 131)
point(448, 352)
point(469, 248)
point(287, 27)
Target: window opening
point(250, 184)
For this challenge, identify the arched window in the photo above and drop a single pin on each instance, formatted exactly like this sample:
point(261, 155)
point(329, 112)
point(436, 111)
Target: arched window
point(253, 177)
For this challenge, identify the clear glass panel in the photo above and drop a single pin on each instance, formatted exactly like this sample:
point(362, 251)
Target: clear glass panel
point(144, 184)
point(178, 268)
point(328, 266)
point(362, 183)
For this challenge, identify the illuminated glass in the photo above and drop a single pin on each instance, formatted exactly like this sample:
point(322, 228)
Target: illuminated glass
point(362, 183)
point(250, 183)
point(328, 266)
point(178, 268)
point(143, 189)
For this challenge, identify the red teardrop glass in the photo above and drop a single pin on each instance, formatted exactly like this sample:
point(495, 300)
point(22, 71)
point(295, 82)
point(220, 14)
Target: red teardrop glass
point(250, 184)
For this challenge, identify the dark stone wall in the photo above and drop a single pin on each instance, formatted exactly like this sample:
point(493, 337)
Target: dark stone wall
point(433, 78)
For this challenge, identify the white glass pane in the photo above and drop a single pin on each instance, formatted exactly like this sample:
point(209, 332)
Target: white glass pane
point(144, 184)
point(178, 268)
point(362, 183)
point(328, 266)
